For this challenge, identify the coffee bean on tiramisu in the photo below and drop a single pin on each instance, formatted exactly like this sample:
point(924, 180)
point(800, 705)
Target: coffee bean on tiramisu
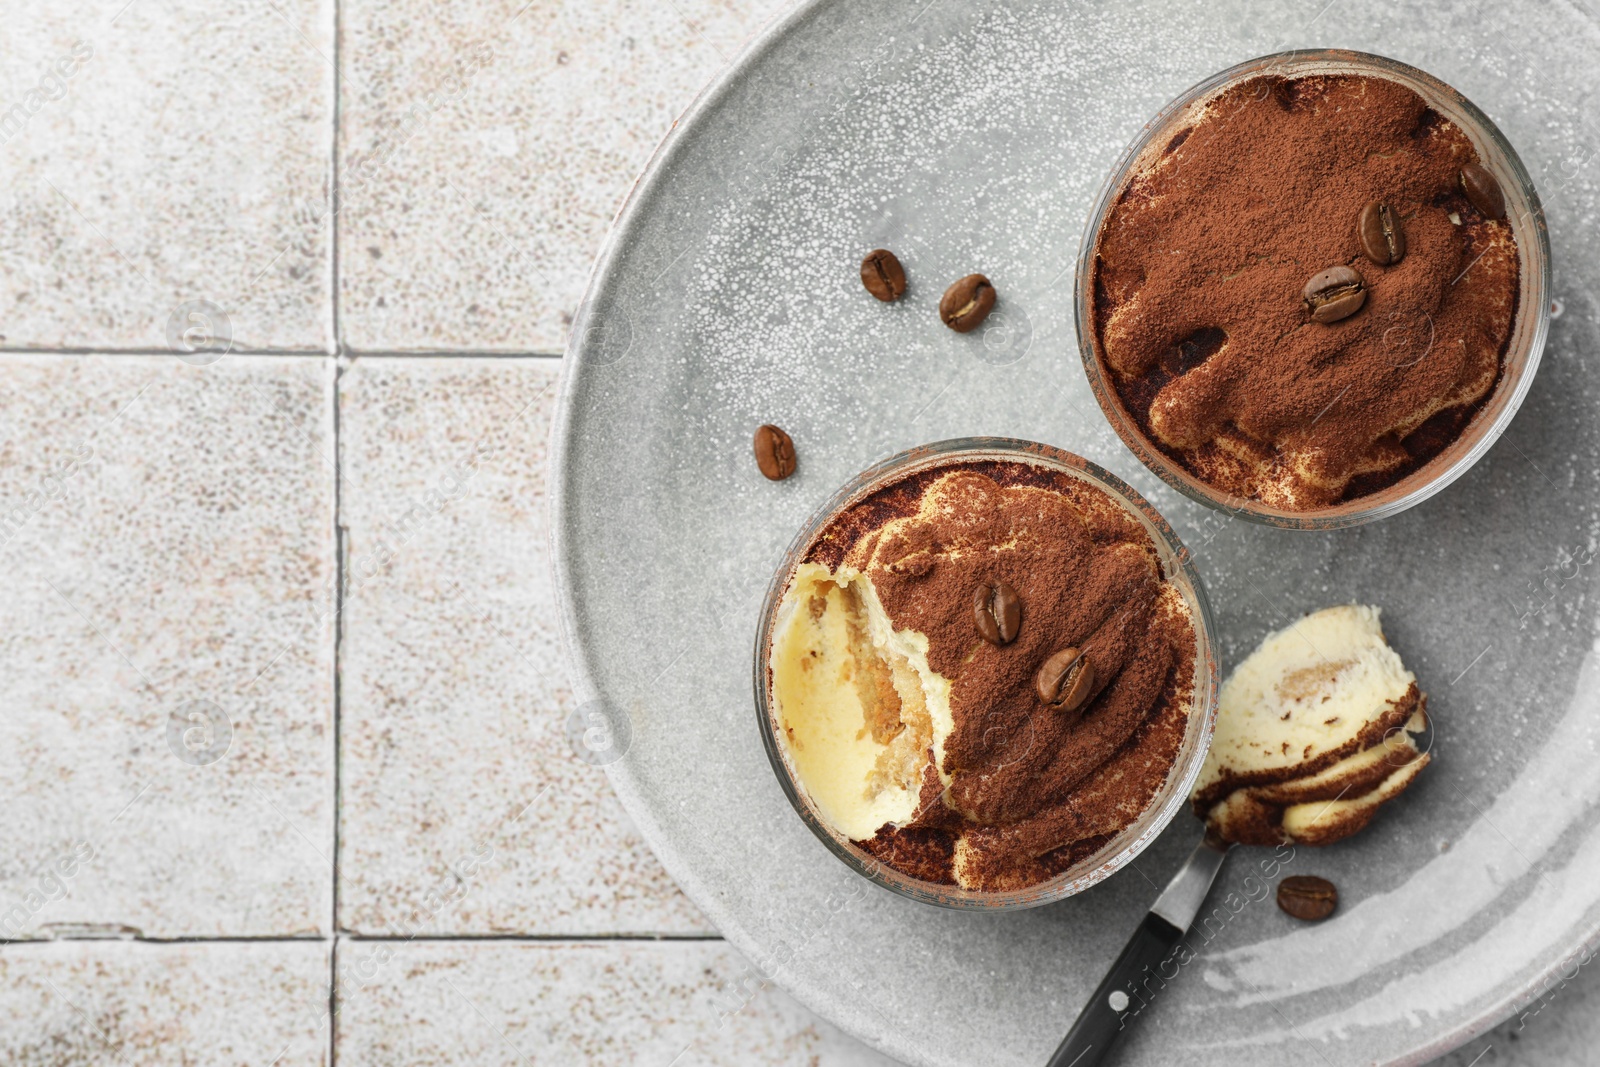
point(1305, 896)
point(1335, 293)
point(1483, 190)
point(967, 303)
point(883, 275)
point(774, 452)
point(1066, 680)
point(1379, 232)
point(997, 612)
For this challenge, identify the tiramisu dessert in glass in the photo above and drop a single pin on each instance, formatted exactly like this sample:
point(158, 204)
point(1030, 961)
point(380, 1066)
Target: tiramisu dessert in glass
point(984, 673)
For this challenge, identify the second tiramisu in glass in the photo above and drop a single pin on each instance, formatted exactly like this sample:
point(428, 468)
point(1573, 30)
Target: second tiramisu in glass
point(1306, 290)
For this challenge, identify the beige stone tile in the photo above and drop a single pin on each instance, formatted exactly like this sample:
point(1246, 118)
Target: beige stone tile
point(154, 152)
point(167, 541)
point(487, 146)
point(139, 1004)
point(464, 809)
point(487, 1004)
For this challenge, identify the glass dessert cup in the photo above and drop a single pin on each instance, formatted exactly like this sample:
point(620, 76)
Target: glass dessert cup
point(1177, 569)
point(1521, 359)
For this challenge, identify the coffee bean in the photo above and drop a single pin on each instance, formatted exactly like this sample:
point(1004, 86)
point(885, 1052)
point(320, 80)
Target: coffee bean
point(1066, 680)
point(1305, 896)
point(1380, 234)
point(967, 303)
point(883, 275)
point(997, 611)
point(774, 452)
point(1334, 294)
point(1484, 191)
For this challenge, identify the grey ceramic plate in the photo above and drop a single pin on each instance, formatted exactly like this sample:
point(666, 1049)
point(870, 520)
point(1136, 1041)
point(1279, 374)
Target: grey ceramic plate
point(972, 137)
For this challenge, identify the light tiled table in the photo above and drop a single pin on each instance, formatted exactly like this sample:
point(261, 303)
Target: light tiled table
point(250, 820)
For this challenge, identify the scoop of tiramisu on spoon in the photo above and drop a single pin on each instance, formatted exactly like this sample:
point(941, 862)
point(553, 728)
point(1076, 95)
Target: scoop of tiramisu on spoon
point(1316, 729)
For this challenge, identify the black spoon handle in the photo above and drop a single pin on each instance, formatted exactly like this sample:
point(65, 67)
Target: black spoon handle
point(1100, 1021)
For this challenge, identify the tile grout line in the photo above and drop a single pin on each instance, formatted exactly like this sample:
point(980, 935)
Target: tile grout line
point(339, 567)
point(300, 353)
point(339, 560)
point(183, 939)
point(342, 937)
point(333, 1003)
point(115, 350)
point(455, 353)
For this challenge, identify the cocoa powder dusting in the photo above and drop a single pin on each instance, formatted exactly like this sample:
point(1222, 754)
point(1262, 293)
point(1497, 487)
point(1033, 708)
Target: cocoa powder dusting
point(1032, 788)
point(1200, 265)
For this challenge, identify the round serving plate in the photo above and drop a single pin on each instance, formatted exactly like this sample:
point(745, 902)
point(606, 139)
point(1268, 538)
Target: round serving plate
point(973, 138)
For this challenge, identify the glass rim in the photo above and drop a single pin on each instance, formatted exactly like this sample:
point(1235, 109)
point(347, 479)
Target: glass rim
point(1178, 567)
point(1519, 365)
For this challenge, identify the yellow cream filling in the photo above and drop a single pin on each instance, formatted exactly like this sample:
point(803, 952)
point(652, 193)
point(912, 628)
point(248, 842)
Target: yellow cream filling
point(860, 713)
point(1307, 689)
point(1300, 820)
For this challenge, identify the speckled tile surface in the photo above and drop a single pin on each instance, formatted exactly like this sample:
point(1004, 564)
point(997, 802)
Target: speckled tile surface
point(160, 151)
point(167, 544)
point(486, 147)
point(465, 810)
point(594, 1004)
point(71, 1005)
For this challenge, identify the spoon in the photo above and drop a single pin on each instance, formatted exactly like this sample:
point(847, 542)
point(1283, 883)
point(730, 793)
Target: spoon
point(1091, 1037)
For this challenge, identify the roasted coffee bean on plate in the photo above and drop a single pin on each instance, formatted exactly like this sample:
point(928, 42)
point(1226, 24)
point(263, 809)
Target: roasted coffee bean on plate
point(774, 452)
point(1305, 896)
point(1483, 190)
point(1381, 236)
point(883, 275)
point(1335, 293)
point(967, 303)
point(1066, 680)
point(997, 612)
